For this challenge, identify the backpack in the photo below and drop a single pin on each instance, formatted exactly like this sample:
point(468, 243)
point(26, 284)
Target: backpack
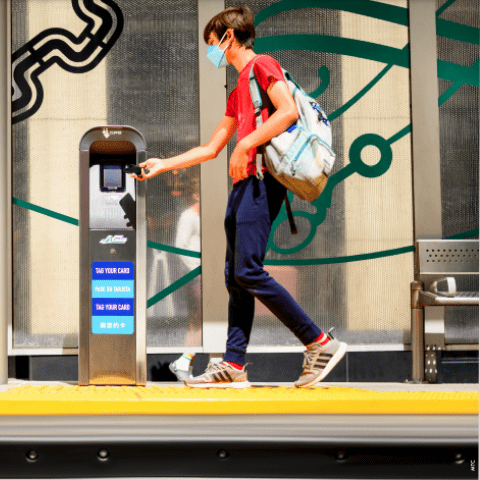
point(301, 158)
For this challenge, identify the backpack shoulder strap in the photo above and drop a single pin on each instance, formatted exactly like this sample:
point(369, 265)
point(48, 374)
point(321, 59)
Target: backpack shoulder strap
point(291, 221)
point(260, 99)
point(255, 95)
point(288, 78)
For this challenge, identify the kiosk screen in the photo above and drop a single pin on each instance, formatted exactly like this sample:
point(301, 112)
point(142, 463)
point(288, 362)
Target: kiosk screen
point(112, 178)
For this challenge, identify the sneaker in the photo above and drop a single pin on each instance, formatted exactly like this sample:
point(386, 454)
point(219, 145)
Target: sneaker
point(220, 375)
point(181, 375)
point(319, 361)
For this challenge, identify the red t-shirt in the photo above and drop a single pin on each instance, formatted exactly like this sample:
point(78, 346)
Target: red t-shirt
point(240, 106)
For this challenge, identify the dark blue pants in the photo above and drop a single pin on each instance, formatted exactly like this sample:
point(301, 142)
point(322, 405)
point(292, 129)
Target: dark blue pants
point(252, 207)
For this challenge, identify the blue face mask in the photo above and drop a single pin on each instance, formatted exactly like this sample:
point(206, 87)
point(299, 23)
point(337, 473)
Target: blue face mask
point(216, 55)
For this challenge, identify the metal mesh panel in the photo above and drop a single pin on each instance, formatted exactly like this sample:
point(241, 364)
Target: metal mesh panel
point(364, 297)
point(45, 249)
point(156, 91)
point(149, 80)
point(46, 288)
point(324, 301)
point(459, 140)
point(461, 323)
point(459, 127)
point(20, 217)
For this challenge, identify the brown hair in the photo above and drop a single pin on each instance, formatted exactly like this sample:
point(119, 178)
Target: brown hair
point(240, 19)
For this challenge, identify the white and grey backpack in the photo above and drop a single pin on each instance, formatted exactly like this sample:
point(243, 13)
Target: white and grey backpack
point(301, 158)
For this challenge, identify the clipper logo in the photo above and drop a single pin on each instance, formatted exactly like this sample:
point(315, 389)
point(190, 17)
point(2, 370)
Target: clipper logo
point(106, 133)
point(114, 239)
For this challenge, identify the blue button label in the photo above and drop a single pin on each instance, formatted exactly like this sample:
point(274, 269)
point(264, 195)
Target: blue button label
point(112, 271)
point(112, 306)
point(112, 288)
point(112, 325)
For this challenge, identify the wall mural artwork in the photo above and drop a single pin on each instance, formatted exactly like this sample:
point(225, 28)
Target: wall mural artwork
point(104, 25)
point(458, 74)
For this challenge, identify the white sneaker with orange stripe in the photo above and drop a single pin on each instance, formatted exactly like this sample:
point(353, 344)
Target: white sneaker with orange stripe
point(220, 375)
point(319, 361)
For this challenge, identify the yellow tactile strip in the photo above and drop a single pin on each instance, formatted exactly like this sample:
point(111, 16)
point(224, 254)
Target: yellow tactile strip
point(158, 400)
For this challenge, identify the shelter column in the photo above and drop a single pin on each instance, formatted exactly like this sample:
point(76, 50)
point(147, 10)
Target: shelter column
point(427, 198)
point(213, 191)
point(5, 193)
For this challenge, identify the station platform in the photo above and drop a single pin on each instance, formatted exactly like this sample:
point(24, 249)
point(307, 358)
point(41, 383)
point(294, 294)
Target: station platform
point(61, 398)
point(164, 430)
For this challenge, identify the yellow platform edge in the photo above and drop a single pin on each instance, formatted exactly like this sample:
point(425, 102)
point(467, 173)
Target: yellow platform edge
point(51, 408)
point(92, 400)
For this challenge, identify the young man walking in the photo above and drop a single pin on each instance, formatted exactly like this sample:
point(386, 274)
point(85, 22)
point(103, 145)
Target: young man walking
point(252, 206)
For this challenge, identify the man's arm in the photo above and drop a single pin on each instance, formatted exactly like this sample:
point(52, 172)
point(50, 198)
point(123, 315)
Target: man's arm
point(286, 113)
point(220, 137)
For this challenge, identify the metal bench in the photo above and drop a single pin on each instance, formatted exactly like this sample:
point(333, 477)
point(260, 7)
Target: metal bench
point(437, 262)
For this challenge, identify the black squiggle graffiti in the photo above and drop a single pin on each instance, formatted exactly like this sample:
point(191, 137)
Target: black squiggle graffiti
point(56, 45)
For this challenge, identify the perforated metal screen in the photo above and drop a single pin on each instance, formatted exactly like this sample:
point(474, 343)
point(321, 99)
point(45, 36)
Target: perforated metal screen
point(338, 267)
point(148, 79)
point(459, 149)
point(152, 83)
point(136, 63)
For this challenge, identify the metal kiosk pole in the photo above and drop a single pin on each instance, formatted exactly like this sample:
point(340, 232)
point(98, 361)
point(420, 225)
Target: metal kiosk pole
point(113, 240)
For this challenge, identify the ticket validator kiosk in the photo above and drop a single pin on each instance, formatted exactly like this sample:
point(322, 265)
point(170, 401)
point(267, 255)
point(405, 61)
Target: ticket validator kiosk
point(113, 241)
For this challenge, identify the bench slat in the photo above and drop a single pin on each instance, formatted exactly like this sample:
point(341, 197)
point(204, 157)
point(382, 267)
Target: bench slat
point(447, 256)
point(460, 299)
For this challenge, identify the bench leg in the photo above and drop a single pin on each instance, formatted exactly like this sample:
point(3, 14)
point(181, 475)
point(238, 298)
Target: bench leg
point(418, 335)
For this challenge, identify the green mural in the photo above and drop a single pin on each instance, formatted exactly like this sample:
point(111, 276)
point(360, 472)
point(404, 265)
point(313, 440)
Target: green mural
point(458, 74)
